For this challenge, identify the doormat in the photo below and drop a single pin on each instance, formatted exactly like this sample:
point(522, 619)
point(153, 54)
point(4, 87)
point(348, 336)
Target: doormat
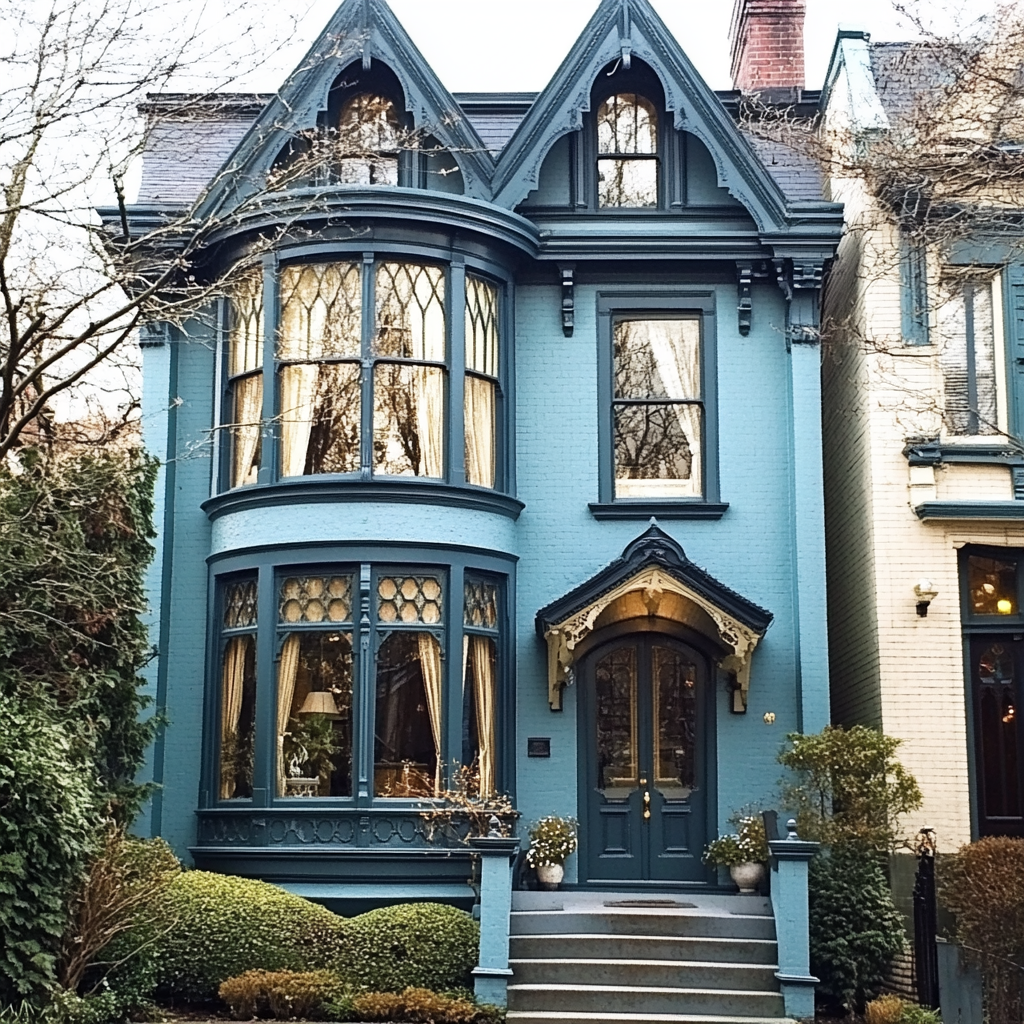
point(651, 903)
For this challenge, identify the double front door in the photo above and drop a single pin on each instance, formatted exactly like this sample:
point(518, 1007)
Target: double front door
point(643, 773)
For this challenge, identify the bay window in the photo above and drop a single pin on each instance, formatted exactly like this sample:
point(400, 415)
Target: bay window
point(480, 682)
point(238, 689)
point(362, 375)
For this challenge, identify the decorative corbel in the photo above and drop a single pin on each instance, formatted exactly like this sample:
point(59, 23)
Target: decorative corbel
point(745, 272)
point(568, 272)
point(625, 43)
point(800, 282)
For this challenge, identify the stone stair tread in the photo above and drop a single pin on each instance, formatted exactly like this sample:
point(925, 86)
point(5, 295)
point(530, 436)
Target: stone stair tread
point(594, 961)
point(641, 1018)
point(659, 990)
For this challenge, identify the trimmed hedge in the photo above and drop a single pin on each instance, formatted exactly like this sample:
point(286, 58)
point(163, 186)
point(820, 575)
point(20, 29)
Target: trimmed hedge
point(415, 945)
point(225, 926)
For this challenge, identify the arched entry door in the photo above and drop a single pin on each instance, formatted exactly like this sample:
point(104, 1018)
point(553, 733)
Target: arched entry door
point(643, 799)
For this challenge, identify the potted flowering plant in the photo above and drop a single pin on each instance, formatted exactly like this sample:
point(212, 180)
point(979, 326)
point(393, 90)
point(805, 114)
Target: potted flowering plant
point(744, 852)
point(552, 839)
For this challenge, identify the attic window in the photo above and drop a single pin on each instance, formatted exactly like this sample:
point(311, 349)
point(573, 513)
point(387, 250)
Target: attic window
point(368, 136)
point(627, 146)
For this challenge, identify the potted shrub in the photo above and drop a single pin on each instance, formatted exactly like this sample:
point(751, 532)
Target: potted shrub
point(744, 853)
point(552, 839)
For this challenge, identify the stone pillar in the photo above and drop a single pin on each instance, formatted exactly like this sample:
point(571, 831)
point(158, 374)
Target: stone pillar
point(492, 972)
point(790, 857)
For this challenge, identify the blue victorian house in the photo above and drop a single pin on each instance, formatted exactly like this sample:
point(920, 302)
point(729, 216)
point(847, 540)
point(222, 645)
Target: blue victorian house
point(500, 455)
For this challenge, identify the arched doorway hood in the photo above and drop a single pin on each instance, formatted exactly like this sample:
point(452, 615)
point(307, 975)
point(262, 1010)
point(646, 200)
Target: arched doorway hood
point(653, 567)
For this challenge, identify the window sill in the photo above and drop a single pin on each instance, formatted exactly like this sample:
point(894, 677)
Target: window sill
point(658, 509)
point(308, 490)
point(970, 510)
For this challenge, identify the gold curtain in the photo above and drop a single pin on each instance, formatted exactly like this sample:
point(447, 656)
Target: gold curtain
point(298, 398)
point(287, 670)
point(232, 684)
point(430, 666)
point(429, 385)
point(484, 691)
point(480, 434)
point(248, 412)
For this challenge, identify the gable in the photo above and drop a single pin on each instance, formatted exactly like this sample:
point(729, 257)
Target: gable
point(620, 32)
point(364, 33)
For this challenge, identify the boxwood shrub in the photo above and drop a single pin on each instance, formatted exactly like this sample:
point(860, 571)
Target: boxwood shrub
point(415, 945)
point(224, 926)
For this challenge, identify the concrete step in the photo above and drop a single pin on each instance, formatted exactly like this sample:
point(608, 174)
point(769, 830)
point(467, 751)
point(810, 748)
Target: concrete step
point(557, 1017)
point(581, 999)
point(657, 974)
point(616, 922)
point(608, 946)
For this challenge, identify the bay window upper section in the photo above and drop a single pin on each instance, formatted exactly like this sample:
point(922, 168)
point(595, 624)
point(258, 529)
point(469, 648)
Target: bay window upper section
point(376, 369)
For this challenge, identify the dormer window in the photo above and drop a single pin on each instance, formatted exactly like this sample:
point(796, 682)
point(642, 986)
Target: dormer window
point(627, 147)
point(368, 136)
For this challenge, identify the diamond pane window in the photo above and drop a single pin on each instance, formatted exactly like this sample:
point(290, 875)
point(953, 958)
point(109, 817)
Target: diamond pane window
point(480, 604)
point(481, 391)
point(410, 312)
point(240, 605)
point(316, 599)
point(409, 599)
point(627, 141)
point(245, 377)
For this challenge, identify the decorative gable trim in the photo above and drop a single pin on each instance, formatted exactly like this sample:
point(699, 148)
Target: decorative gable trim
point(653, 564)
point(365, 30)
point(622, 30)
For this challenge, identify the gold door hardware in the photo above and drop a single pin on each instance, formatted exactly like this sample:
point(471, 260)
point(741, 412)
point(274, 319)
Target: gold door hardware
point(647, 805)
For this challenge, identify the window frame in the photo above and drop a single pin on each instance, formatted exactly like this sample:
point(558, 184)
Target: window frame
point(658, 304)
point(455, 269)
point(657, 157)
point(366, 565)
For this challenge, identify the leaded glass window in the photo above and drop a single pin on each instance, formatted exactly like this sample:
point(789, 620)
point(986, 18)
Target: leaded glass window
point(483, 333)
point(658, 408)
point(245, 377)
point(315, 674)
point(480, 674)
point(627, 146)
point(237, 690)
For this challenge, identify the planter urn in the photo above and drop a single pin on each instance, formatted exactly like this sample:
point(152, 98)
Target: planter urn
point(550, 875)
point(747, 876)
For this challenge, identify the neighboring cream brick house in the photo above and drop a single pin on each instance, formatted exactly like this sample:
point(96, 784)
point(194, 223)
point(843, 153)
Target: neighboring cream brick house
point(924, 472)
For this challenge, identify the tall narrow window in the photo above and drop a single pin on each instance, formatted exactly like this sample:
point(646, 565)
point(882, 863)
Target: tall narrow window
point(966, 332)
point(658, 408)
point(480, 683)
point(627, 146)
point(245, 377)
point(238, 689)
point(409, 722)
point(481, 394)
point(314, 686)
point(368, 142)
point(319, 349)
point(409, 350)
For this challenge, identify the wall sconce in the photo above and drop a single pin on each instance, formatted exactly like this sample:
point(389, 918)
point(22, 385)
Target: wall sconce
point(926, 593)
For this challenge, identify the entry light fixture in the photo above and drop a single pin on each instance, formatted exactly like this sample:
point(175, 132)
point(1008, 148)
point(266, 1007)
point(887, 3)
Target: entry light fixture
point(926, 592)
point(320, 702)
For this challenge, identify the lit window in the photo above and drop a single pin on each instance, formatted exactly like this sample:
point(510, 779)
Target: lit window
point(245, 378)
point(481, 395)
point(480, 684)
point(238, 690)
point(627, 146)
point(657, 408)
point(368, 141)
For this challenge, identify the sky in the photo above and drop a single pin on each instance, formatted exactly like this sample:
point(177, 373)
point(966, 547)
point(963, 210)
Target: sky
point(516, 45)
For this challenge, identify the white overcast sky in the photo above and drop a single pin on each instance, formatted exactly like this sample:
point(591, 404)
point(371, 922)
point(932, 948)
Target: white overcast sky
point(516, 45)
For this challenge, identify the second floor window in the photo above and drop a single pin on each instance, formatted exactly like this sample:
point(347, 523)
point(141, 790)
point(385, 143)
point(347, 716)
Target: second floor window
point(368, 141)
point(627, 147)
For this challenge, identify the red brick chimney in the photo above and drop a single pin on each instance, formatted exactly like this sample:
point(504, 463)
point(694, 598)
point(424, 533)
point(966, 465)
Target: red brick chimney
point(767, 39)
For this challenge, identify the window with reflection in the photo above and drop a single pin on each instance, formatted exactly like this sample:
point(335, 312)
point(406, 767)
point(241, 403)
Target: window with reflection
point(480, 683)
point(238, 689)
point(369, 141)
point(615, 678)
point(245, 378)
point(410, 704)
point(674, 698)
point(483, 335)
point(315, 686)
point(658, 409)
point(992, 585)
point(627, 146)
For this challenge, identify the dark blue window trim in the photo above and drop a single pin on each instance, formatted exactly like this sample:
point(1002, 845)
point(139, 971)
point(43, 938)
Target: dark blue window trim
point(659, 301)
point(913, 293)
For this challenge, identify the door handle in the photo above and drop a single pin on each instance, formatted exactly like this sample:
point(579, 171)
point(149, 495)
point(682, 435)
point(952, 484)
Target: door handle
point(647, 805)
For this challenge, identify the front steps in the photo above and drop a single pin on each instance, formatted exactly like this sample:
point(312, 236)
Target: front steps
point(670, 958)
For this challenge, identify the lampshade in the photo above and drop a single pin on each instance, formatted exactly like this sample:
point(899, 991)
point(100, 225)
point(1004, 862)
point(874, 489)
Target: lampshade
point(320, 702)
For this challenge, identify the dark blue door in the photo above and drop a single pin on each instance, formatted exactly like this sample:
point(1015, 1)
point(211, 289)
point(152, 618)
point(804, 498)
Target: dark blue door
point(644, 785)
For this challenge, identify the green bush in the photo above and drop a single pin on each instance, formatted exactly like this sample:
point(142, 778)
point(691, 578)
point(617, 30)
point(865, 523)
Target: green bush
point(417, 945)
point(224, 926)
point(855, 929)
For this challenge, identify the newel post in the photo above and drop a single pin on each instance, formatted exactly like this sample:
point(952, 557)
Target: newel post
point(492, 972)
point(790, 857)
